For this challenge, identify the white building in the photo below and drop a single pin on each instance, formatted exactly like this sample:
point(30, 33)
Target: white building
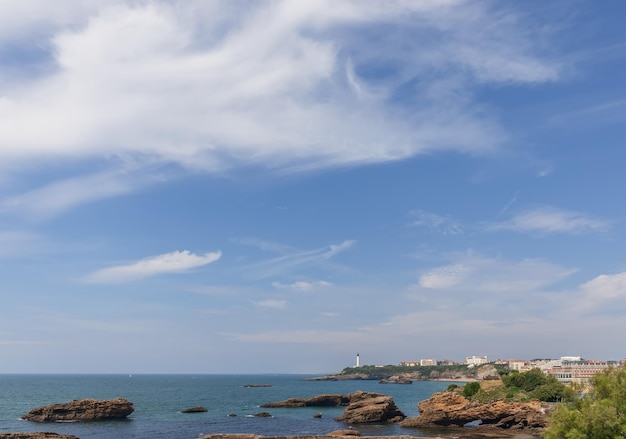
point(428, 362)
point(476, 360)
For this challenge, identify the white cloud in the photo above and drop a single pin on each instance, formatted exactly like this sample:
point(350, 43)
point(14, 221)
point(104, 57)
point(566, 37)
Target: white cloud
point(218, 85)
point(174, 262)
point(552, 220)
point(604, 292)
point(470, 275)
point(606, 286)
point(443, 277)
point(440, 223)
point(271, 303)
point(61, 195)
point(303, 286)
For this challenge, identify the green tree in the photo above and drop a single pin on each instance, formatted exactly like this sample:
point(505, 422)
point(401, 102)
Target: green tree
point(601, 414)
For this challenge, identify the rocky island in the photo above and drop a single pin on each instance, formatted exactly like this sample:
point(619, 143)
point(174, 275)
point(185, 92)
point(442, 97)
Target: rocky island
point(361, 407)
point(81, 410)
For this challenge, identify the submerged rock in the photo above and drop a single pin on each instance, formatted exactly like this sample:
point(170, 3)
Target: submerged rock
point(195, 410)
point(263, 415)
point(82, 410)
point(325, 400)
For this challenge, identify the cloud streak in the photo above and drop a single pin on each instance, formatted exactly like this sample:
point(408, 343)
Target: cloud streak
point(550, 220)
point(297, 258)
point(174, 262)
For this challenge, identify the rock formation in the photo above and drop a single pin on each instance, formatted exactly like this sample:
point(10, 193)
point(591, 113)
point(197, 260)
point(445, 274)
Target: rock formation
point(195, 410)
point(369, 407)
point(327, 400)
point(341, 433)
point(396, 379)
point(445, 409)
point(81, 410)
point(39, 435)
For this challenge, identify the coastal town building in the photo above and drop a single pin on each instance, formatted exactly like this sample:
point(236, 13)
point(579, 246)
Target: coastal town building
point(518, 365)
point(409, 363)
point(428, 362)
point(571, 370)
point(476, 360)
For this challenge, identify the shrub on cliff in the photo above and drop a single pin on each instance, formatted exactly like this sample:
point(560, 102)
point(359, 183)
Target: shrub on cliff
point(601, 414)
point(471, 389)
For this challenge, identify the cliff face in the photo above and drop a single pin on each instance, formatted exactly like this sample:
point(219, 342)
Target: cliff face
point(447, 409)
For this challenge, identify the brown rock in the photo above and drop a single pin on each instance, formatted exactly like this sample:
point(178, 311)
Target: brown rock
point(325, 400)
point(263, 415)
point(369, 407)
point(340, 433)
point(446, 409)
point(195, 410)
point(81, 410)
point(38, 435)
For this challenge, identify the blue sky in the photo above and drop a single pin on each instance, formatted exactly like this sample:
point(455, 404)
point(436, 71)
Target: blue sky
point(274, 186)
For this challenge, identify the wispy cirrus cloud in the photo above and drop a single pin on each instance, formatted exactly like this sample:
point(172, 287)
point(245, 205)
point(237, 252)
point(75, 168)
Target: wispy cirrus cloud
point(129, 80)
point(174, 262)
point(296, 259)
point(304, 286)
point(61, 195)
point(551, 220)
point(271, 303)
point(443, 224)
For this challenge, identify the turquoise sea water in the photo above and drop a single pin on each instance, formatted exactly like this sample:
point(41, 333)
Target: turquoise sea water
point(158, 400)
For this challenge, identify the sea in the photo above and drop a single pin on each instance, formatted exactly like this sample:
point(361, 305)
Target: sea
point(159, 400)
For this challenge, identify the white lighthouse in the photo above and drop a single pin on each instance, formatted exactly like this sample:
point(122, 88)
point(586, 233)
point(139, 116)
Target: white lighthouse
point(358, 360)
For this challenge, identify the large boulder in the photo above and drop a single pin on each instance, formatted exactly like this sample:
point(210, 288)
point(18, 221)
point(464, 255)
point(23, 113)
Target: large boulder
point(325, 400)
point(445, 409)
point(81, 410)
point(369, 407)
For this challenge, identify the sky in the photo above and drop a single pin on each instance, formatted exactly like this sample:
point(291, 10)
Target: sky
point(275, 186)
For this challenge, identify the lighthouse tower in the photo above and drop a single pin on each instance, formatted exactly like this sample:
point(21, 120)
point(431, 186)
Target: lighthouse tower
point(358, 360)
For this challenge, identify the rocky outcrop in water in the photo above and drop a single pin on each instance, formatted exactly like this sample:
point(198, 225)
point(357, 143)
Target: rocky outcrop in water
point(446, 409)
point(326, 400)
point(369, 407)
point(396, 379)
point(82, 410)
point(195, 410)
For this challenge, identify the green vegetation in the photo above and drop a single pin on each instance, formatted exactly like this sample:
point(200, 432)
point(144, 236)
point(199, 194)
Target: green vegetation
point(601, 414)
point(424, 372)
point(538, 385)
point(471, 389)
point(515, 386)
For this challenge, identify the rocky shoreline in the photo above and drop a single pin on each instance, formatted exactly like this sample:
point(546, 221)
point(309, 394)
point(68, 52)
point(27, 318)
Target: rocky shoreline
point(447, 412)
